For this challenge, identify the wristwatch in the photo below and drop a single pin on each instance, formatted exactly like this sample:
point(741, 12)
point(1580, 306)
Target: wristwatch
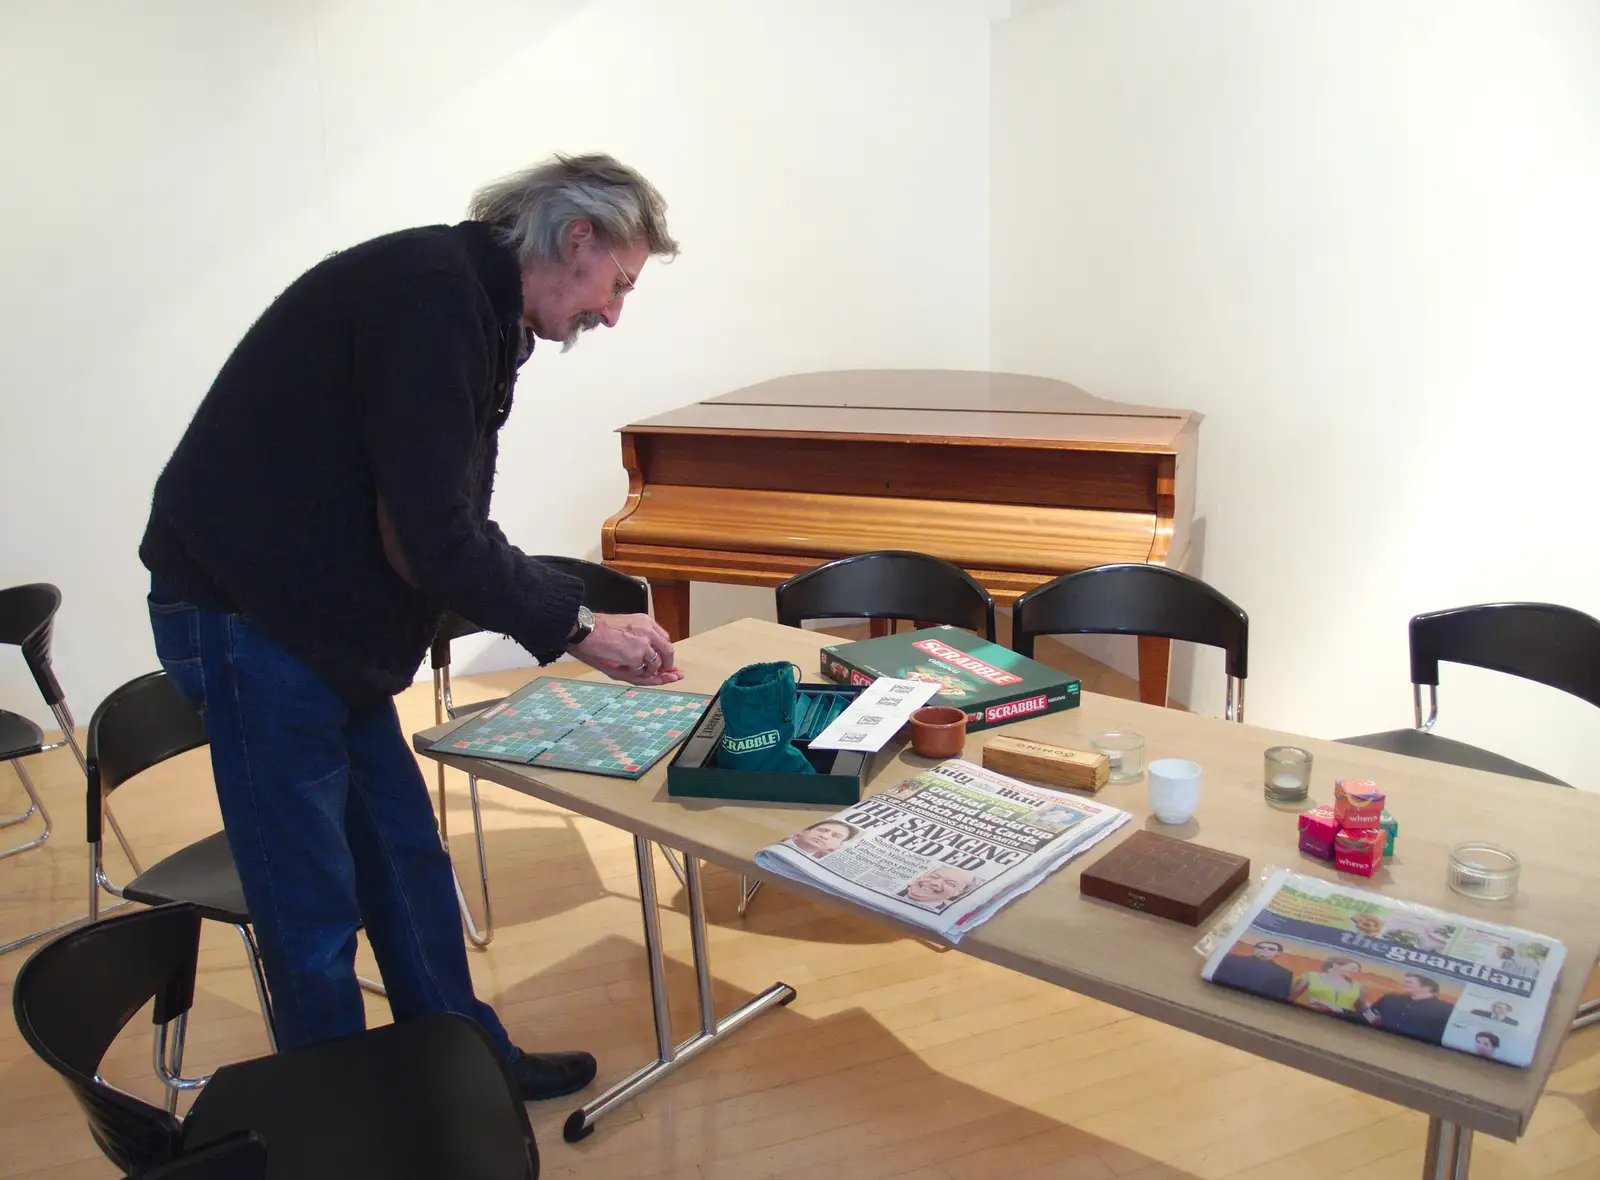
point(585, 625)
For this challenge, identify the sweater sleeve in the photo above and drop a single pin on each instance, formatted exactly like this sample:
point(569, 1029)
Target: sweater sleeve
point(421, 354)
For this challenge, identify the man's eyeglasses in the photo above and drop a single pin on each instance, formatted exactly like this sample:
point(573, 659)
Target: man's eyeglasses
point(618, 292)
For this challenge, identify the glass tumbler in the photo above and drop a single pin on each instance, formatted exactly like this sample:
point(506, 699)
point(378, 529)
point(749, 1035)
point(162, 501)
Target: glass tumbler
point(1286, 776)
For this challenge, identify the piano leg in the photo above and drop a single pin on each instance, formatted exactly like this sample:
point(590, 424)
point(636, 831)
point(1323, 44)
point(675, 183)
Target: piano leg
point(1155, 664)
point(669, 601)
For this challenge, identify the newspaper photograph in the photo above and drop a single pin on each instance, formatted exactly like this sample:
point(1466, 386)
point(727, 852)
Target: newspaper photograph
point(1465, 984)
point(945, 848)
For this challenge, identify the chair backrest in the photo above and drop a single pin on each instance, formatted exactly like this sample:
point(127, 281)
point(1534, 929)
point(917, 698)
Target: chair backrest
point(1553, 645)
point(27, 619)
point(605, 591)
point(888, 584)
point(1133, 599)
point(145, 721)
point(77, 992)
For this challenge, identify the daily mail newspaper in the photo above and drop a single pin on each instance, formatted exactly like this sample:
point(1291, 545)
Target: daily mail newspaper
point(945, 848)
point(1468, 985)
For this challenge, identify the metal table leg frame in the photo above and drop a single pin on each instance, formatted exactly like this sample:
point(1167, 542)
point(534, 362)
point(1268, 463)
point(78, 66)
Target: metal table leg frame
point(1448, 1155)
point(672, 863)
point(747, 890)
point(669, 1057)
point(1588, 1013)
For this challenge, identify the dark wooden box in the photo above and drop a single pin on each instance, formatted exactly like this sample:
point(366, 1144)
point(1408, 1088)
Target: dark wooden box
point(1166, 877)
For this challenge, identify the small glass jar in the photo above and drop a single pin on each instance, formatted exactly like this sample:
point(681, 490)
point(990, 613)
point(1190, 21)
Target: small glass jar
point(1286, 774)
point(1482, 870)
point(1124, 749)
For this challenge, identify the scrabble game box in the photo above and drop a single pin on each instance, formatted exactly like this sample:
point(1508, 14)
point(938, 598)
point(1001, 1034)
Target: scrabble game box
point(993, 684)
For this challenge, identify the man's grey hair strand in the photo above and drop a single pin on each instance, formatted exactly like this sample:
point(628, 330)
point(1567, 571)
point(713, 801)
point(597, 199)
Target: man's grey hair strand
point(534, 209)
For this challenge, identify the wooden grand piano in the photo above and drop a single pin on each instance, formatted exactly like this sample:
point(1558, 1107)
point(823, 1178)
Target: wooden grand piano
point(1017, 479)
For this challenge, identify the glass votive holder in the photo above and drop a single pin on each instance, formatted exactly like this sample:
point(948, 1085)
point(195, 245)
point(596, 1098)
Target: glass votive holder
point(1482, 870)
point(1124, 749)
point(1286, 775)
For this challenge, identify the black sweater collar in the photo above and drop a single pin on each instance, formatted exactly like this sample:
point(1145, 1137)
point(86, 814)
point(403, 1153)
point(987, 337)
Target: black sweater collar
point(497, 268)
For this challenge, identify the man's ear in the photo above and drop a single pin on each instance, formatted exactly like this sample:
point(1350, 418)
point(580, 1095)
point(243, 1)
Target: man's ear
point(580, 234)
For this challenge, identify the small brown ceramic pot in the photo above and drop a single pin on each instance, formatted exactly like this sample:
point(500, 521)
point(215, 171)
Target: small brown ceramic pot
point(939, 731)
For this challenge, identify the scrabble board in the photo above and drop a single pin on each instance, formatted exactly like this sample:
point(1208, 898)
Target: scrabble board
point(583, 725)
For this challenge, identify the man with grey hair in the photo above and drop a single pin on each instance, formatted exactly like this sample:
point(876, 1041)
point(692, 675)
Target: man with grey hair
point(326, 506)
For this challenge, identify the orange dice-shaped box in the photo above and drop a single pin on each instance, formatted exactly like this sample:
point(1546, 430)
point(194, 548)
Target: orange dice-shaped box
point(1358, 804)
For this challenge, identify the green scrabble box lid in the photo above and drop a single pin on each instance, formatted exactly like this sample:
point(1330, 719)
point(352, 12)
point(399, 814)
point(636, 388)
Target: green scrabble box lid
point(992, 683)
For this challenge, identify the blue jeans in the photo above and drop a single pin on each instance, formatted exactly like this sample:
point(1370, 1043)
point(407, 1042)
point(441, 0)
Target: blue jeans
point(330, 824)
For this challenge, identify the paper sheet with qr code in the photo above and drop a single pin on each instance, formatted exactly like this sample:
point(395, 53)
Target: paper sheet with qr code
point(876, 715)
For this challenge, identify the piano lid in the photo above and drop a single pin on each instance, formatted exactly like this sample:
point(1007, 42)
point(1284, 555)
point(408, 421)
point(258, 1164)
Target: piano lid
point(930, 403)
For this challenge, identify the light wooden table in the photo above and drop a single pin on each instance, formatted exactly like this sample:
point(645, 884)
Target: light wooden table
point(1135, 961)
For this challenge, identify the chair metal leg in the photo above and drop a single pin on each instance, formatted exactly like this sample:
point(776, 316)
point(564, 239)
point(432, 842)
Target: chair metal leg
point(97, 881)
point(1235, 706)
point(26, 939)
point(263, 997)
point(169, 1062)
point(35, 807)
point(580, 1123)
point(116, 830)
point(1588, 1013)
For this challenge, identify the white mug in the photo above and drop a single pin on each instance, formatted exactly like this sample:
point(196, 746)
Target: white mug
point(1174, 789)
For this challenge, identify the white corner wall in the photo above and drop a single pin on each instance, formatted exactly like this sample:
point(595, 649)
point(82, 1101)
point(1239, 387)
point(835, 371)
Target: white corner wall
point(171, 165)
point(1362, 239)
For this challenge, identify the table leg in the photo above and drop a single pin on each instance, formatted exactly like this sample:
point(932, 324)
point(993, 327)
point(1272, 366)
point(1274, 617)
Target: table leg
point(669, 600)
point(747, 891)
point(1155, 665)
point(668, 1056)
point(1448, 1155)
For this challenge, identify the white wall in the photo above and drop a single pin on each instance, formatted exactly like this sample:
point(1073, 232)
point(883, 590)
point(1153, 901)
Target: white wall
point(171, 165)
point(1362, 239)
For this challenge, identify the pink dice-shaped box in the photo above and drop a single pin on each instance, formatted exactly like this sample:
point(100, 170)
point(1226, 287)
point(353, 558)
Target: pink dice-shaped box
point(1317, 830)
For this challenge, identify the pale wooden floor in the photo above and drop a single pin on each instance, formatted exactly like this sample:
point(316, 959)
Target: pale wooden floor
point(895, 1063)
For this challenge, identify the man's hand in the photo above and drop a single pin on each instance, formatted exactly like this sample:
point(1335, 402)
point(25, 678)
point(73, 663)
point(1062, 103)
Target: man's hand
point(633, 648)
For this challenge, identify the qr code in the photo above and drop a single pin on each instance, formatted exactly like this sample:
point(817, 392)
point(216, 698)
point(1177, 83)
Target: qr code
point(871, 720)
point(890, 701)
point(900, 689)
point(854, 737)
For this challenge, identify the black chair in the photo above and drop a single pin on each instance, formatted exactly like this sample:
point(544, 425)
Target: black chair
point(141, 724)
point(1138, 599)
point(891, 584)
point(425, 1098)
point(888, 584)
point(27, 621)
point(1551, 645)
point(606, 591)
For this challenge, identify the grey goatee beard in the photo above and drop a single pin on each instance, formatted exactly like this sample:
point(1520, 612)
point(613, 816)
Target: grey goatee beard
point(586, 320)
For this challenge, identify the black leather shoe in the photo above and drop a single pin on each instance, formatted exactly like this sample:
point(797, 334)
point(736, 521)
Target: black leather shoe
point(550, 1075)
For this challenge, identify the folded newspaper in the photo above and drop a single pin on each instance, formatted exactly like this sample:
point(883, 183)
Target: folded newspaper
point(1469, 985)
point(945, 848)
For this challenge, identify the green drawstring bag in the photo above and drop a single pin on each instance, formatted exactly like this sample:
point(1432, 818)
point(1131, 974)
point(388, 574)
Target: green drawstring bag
point(758, 720)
